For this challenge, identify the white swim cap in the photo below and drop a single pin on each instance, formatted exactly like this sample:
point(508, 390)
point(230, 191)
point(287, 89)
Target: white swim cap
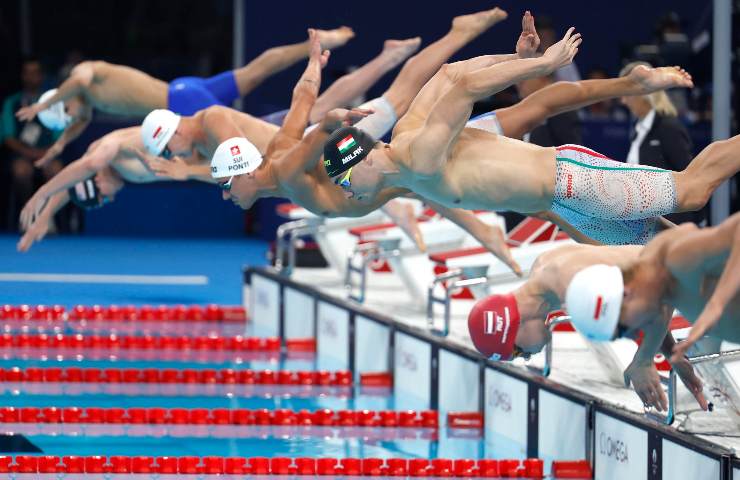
point(593, 301)
point(54, 117)
point(157, 129)
point(235, 156)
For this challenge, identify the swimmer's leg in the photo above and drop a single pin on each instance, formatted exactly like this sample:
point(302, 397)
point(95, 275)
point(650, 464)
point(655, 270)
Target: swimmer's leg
point(355, 84)
point(276, 59)
point(422, 66)
point(562, 97)
point(718, 162)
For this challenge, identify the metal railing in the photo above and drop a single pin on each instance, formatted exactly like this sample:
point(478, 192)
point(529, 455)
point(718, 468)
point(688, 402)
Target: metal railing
point(288, 239)
point(472, 277)
point(554, 322)
point(359, 260)
point(672, 380)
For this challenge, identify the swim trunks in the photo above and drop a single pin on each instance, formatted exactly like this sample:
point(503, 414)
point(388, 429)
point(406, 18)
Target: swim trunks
point(610, 201)
point(188, 95)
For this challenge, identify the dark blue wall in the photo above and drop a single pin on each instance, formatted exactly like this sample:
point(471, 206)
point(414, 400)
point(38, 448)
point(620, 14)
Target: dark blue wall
point(607, 28)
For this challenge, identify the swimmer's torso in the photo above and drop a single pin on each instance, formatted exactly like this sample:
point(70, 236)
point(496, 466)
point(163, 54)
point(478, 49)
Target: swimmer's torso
point(125, 161)
point(489, 172)
point(122, 90)
point(257, 131)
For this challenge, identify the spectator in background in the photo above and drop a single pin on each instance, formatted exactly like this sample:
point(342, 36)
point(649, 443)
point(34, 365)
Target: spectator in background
point(71, 60)
point(557, 130)
point(658, 138)
point(549, 36)
point(26, 142)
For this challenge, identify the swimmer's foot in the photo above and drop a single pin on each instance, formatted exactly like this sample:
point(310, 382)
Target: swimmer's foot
point(654, 79)
point(397, 51)
point(331, 39)
point(477, 23)
point(494, 240)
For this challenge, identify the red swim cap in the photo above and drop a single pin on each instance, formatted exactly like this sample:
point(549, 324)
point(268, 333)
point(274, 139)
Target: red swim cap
point(493, 323)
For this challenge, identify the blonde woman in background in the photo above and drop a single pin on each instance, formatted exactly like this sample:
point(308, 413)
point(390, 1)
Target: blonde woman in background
point(659, 139)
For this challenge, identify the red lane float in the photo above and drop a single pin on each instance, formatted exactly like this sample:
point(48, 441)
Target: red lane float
point(472, 420)
point(339, 378)
point(144, 342)
point(376, 379)
point(213, 465)
point(300, 344)
point(221, 416)
point(208, 313)
point(571, 469)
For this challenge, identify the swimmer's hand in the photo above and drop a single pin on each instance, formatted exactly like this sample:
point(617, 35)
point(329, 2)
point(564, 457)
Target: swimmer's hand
point(495, 241)
point(340, 117)
point(52, 152)
point(31, 210)
point(403, 215)
point(646, 382)
point(174, 168)
point(708, 318)
point(26, 114)
point(35, 233)
point(685, 372)
point(529, 41)
point(562, 53)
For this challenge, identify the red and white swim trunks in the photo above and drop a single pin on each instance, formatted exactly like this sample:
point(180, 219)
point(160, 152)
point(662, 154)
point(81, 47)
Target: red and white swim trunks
point(610, 201)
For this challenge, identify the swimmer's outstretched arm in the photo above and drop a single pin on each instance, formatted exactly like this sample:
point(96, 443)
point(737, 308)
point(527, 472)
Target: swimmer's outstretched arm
point(642, 372)
point(304, 157)
point(696, 250)
point(176, 168)
point(100, 155)
point(450, 113)
point(78, 82)
point(490, 236)
point(70, 133)
point(40, 227)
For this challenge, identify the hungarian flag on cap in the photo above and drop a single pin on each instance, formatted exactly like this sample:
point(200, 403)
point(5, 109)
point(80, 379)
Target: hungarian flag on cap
point(346, 144)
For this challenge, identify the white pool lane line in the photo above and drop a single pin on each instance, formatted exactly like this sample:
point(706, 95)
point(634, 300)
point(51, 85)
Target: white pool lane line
point(108, 279)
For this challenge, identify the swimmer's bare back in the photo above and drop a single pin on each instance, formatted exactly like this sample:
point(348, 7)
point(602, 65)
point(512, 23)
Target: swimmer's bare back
point(123, 90)
point(485, 171)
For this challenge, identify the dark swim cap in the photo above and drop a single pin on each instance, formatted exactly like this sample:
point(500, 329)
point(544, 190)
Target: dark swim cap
point(345, 148)
point(85, 195)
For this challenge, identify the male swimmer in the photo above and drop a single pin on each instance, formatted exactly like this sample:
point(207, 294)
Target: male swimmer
point(121, 156)
point(280, 170)
point(434, 155)
point(686, 268)
point(122, 90)
point(521, 317)
point(94, 179)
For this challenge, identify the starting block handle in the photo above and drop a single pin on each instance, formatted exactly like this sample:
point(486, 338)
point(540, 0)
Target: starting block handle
point(672, 381)
point(547, 368)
